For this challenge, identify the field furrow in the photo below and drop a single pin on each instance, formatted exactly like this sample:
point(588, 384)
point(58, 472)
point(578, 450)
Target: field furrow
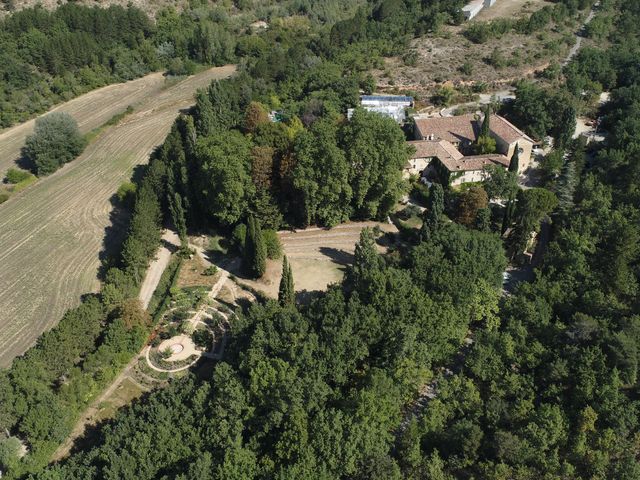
point(52, 233)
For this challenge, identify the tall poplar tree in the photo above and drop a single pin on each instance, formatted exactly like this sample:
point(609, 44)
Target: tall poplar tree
point(286, 292)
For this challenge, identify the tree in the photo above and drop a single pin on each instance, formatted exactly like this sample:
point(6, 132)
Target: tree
point(55, 141)
point(286, 292)
point(485, 129)
point(255, 252)
point(514, 163)
point(224, 176)
point(262, 167)
point(485, 145)
point(470, 203)
point(499, 182)
point(177, 215)
point(376, 151)
point(533, 205)
point(254, 116)
point(133, 315)
point(435, 208)
point(483, 220)
point(321, 176)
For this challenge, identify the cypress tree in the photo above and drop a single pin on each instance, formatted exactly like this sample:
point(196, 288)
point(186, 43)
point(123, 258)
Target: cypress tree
point(483, 220)
point(514, 165)
point(255, 250)
point(486, 123)
point(177, 214)
point(260, 258)
point(507, 220)
point(286, 292)
point(249, 247)
point(435, 208)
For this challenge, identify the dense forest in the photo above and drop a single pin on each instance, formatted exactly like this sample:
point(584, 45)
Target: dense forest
point(51, 56)
point(547, 384)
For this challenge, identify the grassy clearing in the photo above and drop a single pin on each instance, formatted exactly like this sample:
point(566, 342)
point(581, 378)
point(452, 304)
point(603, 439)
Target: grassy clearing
point(123, 395)
point(194, 273)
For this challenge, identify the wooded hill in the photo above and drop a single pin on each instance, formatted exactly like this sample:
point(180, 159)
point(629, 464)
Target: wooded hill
point(548, 388)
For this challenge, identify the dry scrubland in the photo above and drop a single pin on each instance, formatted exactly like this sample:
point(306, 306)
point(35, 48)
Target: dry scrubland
point(51, 234)
point(441, 57)
point(149, 6)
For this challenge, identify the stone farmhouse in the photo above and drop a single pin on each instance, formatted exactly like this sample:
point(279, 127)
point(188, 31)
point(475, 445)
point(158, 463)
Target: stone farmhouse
point(444, 148)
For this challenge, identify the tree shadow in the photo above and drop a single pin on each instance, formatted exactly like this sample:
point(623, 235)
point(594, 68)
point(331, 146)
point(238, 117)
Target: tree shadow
point(337, 256)
point(25, 163)
point(93, 434)
point(115, 233)
point(114, 236)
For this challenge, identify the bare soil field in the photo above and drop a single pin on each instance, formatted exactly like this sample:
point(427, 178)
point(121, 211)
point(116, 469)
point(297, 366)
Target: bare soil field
point(90, 110)
point(318, 257)
point(52, 233)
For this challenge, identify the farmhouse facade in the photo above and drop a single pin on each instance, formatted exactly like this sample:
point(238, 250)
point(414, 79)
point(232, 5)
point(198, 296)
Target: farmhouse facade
point(443, 146)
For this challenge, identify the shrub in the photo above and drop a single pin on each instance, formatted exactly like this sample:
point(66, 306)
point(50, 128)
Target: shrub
point(420, 192)
point(55, 141)
point(202, 338)
point(211, 270)
point(466, 68)
point(239, 236)
point(15, 175)
point(126, 194)
point(272, 242)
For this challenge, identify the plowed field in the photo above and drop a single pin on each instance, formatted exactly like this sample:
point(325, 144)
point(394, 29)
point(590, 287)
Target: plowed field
point(51, 234)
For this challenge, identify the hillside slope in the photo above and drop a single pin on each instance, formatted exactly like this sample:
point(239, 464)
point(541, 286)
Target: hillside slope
point(149, 6)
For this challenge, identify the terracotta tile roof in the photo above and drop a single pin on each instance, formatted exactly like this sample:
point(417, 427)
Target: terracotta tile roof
point(433, 148)
point(503, 128)
point(465, 128)
point(452, 129)
point(475, 162)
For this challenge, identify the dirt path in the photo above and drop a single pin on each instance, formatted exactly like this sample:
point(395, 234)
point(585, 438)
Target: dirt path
point(52, 232)
point(576, 48)
point(170, 243)
point(149, 284)
point(89, 415)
